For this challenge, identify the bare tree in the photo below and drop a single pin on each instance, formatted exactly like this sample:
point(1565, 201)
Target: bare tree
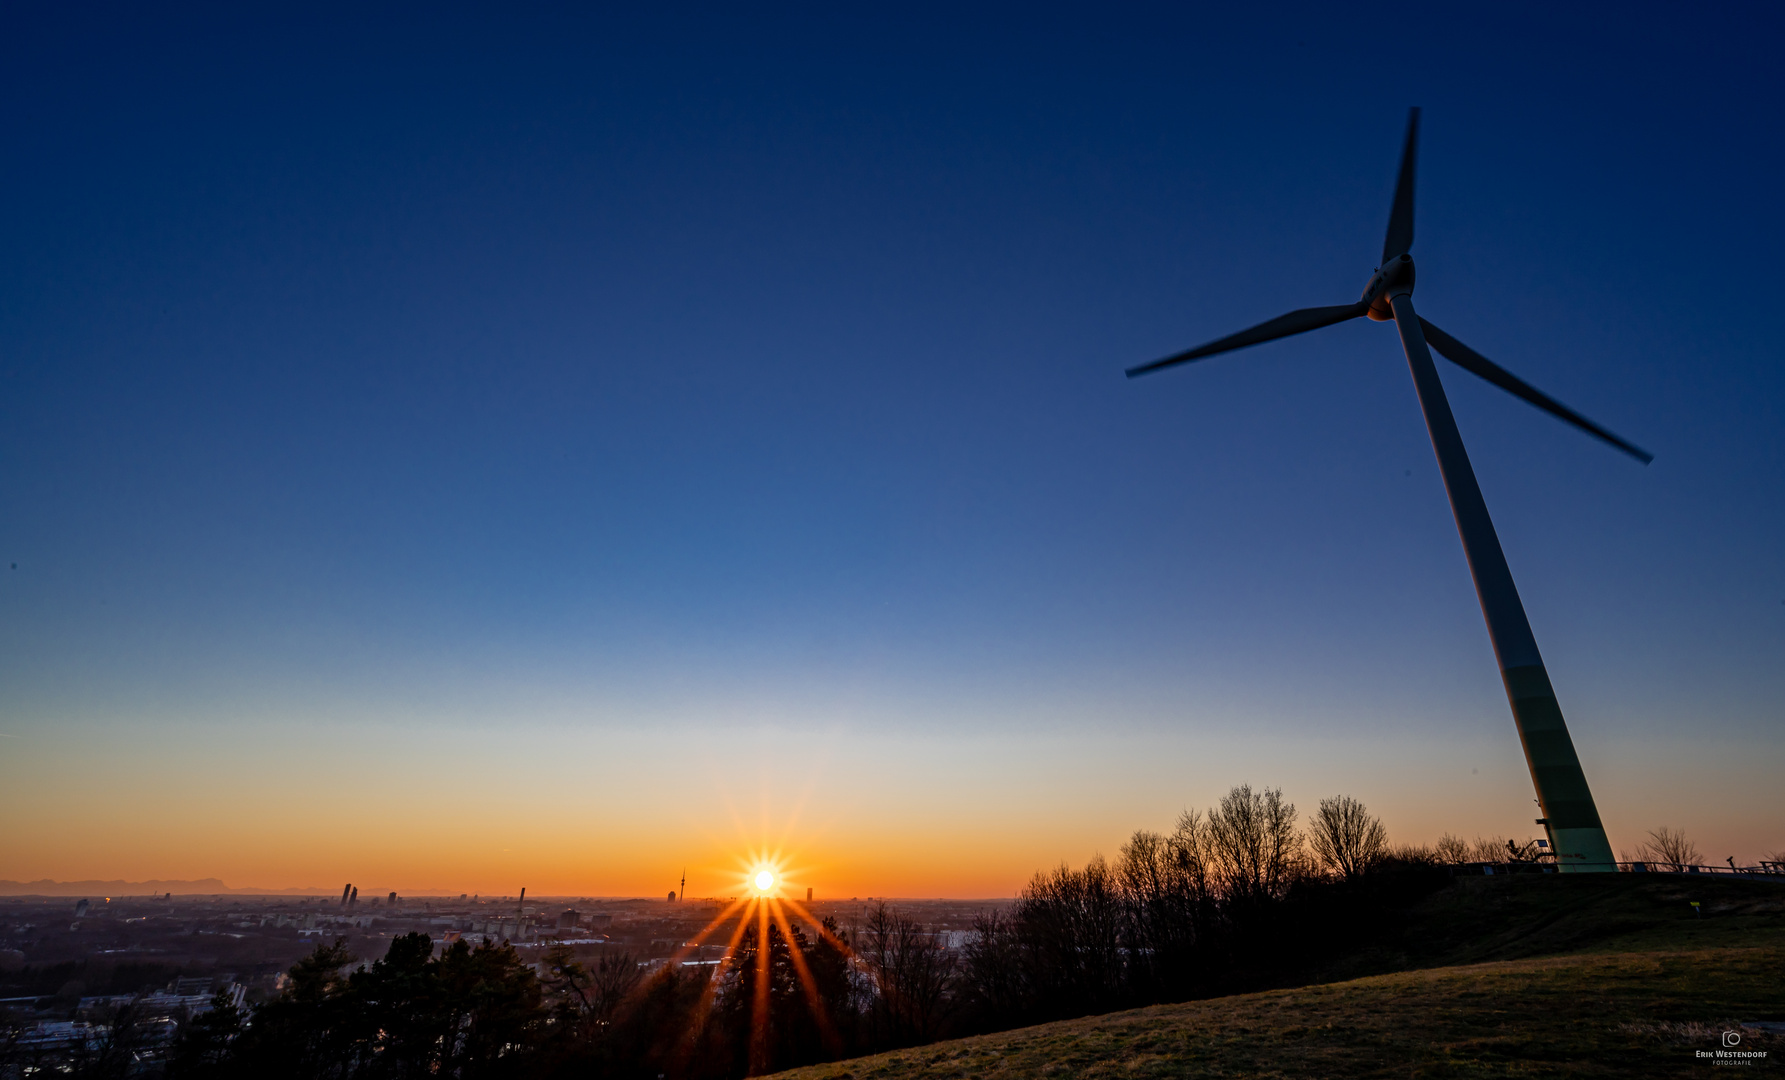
point(117, 1051)
point(1171, 869)
point(1255, 846)
point(1345, 838)
point(1071, 924)
point(1488, 849)
point(994, 979)
point(1451, 849)
point(1170, 905)
point(1670, 848)
point(1144, 865)
point(913, 973)
point(1413, 853)
point(1189, 853)
point(595, 993)
point(17, 1056)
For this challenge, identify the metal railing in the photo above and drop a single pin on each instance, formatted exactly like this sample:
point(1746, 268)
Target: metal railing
point(1771, 870)
point(1763, 871)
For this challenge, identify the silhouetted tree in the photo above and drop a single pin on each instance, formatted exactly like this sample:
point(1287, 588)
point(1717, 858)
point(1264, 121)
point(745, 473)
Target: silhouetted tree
point(1451, 849)
point(769, 1015)
point(1069, 927)
point(1255, 847)
point(400, 1001)
point(1412, 855)
point(471, 1014)
point(492, 1011)
point(913, 976)
point(126, 1035)
point(595, 992)
point(1488, 849)
point(1670, 848)
point(312, 1029)
point(656, 1029)
point(995, 982)
point(1172, 909)
point(202, 1051)
point(1345, 838)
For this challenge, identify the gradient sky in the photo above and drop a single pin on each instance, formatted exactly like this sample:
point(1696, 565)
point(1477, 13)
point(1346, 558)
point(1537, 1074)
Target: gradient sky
point(475, 448)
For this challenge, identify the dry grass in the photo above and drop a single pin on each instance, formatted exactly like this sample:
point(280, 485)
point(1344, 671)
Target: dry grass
point(1589, 1014)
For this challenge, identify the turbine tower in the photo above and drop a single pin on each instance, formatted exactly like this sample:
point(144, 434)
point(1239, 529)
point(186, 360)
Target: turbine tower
point(1569, 816)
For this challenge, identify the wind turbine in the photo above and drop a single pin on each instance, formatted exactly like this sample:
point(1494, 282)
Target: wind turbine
point(1569, 816)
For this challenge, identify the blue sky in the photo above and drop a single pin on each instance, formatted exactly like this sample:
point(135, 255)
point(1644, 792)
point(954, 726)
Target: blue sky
point(410, 380)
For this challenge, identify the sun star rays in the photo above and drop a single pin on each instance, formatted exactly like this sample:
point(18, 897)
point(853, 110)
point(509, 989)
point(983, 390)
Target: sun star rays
point(764, 906)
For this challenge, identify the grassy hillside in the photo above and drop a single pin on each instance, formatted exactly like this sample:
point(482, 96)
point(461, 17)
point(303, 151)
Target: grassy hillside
point(1505, 918)
point(1586, 977)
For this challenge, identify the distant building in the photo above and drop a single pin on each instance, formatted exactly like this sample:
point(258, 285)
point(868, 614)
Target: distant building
point(567, 919)
point(62, 1035)
point(80, 908)
point(173, 1001)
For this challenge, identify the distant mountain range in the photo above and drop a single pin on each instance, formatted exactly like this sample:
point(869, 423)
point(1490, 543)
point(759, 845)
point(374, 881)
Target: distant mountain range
point(202, 886)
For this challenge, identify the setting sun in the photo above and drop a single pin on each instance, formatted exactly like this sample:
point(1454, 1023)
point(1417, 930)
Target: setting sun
point(757, 927)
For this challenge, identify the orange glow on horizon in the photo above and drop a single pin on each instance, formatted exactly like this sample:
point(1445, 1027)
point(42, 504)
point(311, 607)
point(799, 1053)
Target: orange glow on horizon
point(450, 822)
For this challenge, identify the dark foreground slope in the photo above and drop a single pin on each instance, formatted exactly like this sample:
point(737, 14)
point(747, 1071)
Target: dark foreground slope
point(1474, 919)
point(1584, 976)
point(1599, 1014)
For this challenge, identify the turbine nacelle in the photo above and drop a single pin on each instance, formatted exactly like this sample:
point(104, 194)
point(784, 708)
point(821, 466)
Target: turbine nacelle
point(1393, 278)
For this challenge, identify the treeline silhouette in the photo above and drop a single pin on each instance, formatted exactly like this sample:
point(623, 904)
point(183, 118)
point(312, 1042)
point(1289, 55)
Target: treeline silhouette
point(1236, 898)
